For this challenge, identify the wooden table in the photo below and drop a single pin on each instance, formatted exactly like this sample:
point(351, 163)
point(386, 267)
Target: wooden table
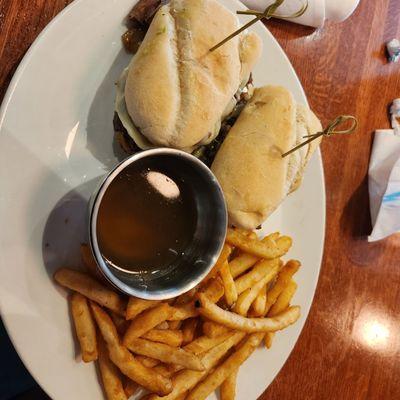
point(350, 346)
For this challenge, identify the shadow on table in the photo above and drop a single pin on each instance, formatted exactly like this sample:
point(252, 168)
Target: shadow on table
point(356, 214)
point(289, 30)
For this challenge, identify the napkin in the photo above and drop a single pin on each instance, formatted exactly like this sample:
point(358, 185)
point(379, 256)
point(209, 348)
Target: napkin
point(384, 184)
point(317, 12)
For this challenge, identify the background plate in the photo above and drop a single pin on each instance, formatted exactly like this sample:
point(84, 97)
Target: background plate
point(56, 140)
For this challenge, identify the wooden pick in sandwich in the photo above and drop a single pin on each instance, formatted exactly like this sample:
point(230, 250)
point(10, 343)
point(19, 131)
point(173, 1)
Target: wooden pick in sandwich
point(268, 13)
point(328, 131)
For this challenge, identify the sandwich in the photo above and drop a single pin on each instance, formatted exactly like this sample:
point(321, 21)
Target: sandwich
point(254, 176)
point(175, 92)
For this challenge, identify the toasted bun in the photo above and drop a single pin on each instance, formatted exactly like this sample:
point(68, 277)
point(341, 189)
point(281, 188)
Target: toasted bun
point(249, 166)
point(176, 90)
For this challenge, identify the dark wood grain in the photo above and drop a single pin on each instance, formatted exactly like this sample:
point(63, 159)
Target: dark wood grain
point(350, 346)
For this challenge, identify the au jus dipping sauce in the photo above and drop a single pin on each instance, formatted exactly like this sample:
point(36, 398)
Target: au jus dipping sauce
point(147, 218)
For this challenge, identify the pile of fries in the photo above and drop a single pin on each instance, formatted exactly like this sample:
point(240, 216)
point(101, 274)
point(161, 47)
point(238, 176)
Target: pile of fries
point(186, 347)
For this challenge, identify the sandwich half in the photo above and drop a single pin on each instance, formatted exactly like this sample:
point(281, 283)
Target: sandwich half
point(249, 166)
point(175, 92)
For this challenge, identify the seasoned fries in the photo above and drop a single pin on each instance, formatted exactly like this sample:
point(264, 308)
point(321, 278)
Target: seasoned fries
point(189, 329)
point(258, 307)
point(90, 288)
point(237, 322)
point(124, 360)
point(204, 343)
point(227, 368)
point(212, 330)
point(229, 284)
point(165, 353)
point(249, 295)
point(245, 261)
point(225, 253)
point(267, 249)
point(284, 278)
point(130, 388)
point(244, 300)
point(185, 380)
point(174, 325)
point(185, 311)
point(281, 304)
point(110, 376)
point(147, 361)
point(84, 326)
point(259, 271)
point(170, 337)
point(136, 306)
point(213, 289)
point(146, 321)
point(120, 323)
point(228, 387)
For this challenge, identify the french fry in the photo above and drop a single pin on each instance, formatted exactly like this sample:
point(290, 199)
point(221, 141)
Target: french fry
point(212, 330)
point(258, 272)
point(281, 304)
point(85, 327)
point(174, 325)
point(213, 289)
point(124, 360)
point(244, 261)
point(170, 337)
point(189, 329)
point(165, 353)
point(225, 253)
point(185, 380)
point(130, 388)
point(120, 323)
point(229, 284)
point(244, 232)
point(147, 361)
point(182, 312)
point(227, 368)
point(249, 295)
point(136, 306)
point(163, 369)
point(204, 343)
point(90, 288)
point(164, 325)
point(228, 387)
point(268, 249)
point(269, 336)
point(186, 297)
point(283, 301)
point(147, 321)
point(240, 323)
point(258, 306)
point(110, 375)
point(284, 277)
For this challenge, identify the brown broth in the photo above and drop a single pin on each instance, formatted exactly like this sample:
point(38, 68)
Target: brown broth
point(147, 218)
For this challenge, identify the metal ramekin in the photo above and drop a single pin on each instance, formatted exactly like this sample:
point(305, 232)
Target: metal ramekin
point(206, 244)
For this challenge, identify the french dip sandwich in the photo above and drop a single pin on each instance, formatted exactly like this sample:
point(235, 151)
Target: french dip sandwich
point(249, 164)
point(175, 92)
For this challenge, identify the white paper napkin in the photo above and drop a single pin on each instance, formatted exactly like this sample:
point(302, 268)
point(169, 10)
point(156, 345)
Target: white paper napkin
point(384, 184)
point(317, 12)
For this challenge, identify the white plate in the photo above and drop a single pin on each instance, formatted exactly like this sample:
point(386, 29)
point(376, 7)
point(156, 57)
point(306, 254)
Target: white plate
point(56, 140)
